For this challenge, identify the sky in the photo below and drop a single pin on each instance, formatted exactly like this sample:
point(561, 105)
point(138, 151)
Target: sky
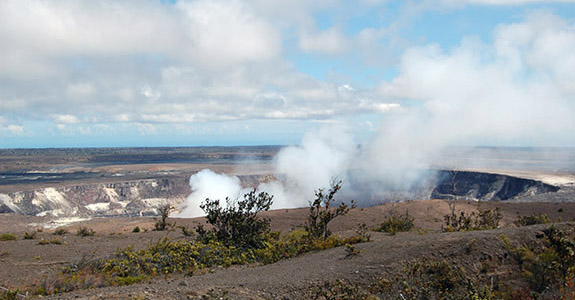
point(109, 73)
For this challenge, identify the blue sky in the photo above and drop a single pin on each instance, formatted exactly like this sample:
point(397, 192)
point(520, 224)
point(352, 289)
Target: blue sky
point(186, 73)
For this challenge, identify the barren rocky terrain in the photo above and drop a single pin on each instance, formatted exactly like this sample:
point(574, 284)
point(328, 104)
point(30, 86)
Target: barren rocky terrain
point(95, 176)
point(25, 262)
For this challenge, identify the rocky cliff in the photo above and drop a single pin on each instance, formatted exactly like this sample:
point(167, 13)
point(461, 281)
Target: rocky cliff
point(486, 186)
point(112, 199)
point(143, 197)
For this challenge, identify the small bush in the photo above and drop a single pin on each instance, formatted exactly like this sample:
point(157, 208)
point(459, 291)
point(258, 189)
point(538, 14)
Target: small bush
point(186, 231)
point(10, 295)
point(321, 212)
point(339, 289)
point(549, 266)
point(85, 231)
point(238, 237)
point(162, 223)
point(482, 219)
point(488, 219)
point(351, 251)
point(533, 219)
point(434, 279)
point(238, 223)
point(29, 236)
point(51, 241)
point(136, 229)
point(60, 231)
point(418, 279)
point(396, 223)
point(7, 237)
point(363, 232)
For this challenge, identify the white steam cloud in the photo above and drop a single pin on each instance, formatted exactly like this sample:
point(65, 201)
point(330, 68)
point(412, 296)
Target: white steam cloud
point(207, 184)
point(370, 172)
point(322, 156)
point(517, 91)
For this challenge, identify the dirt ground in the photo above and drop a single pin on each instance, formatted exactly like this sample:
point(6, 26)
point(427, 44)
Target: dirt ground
point(25, 261)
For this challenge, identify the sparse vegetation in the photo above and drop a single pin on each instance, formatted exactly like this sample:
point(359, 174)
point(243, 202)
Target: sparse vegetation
point(532, 219)
point(482, 219)
point(351, 251)
point(339, 289)
point(186, 231)
point(60, 231)
point(29, 236)
point(363, 232)
point(7, 237)
point(419, 279)
point(321, 212)
point(396, 223)
point(162, 223)
point(8, 294)
point(548, 267)
point(85, 231)
point(238, 223)
point(51, 241)
point(239, 236)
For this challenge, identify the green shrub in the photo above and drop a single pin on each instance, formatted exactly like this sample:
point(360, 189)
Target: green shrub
point(434, 279)
point(321, 212)
point(238, 223)
point(482, 219)
point(51, 241)
point(487, 219)
point(7, 237)
point(29, 236)
point(85, 231)
point(339, 289)
point(60, 231)
point(136, 229)
point(418, 279)
point(238, 237)
point(548, 267)
point(351, 251)
point(186, 231)
point(533, 219)
point(363, 232)
point(396, 223)
point(162, 223)
point(168, 256)
point(10, 295)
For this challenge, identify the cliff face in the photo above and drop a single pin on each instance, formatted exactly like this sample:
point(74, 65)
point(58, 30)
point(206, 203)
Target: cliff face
point(141, 197)
point(486, 187)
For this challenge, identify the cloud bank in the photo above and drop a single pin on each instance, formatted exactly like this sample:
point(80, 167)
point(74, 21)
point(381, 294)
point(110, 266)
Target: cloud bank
point(109, 68)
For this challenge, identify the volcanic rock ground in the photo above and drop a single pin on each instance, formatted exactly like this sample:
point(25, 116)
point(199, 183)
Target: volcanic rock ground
point(25, 262)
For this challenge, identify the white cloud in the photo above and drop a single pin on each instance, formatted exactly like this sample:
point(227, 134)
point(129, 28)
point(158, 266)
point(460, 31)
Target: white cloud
point(66, 119)
point(330, 41)
point(146, 129)
point(514, 90)
point(227, 32)
point(15, 129)
point(80, 90)
point(36, 34)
